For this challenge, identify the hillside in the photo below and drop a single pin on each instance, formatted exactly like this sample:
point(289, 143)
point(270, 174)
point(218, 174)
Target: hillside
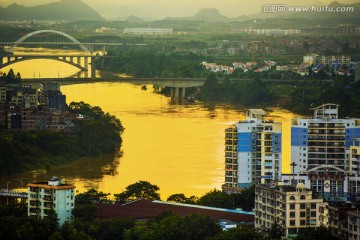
point(204, 14)
point(69, 10)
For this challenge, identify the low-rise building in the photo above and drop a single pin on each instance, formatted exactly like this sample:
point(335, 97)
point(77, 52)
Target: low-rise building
point(149, 31)
point(354, 225)
point(290, 208)
point(43, 197)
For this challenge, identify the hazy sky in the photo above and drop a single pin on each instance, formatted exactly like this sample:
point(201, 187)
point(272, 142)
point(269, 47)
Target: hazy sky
point(162, 8)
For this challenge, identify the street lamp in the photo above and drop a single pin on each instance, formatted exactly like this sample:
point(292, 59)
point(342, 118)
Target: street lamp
point(7, 186)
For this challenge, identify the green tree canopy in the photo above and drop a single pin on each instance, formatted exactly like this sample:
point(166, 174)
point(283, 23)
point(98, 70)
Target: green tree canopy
point(141, 189)
point(312, 233)
point(216, 198)
point(91, 196)
point(181, 198)
point(237, 234)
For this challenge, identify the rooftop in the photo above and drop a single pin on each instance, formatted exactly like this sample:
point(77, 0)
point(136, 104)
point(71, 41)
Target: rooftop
point(147, 209)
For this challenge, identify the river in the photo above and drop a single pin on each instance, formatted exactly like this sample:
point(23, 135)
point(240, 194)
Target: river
point(179, 147)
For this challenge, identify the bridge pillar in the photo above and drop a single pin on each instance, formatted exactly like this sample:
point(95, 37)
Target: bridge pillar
point(93, 68)
point(86, 66)
point(183, 92)
point(177, 93)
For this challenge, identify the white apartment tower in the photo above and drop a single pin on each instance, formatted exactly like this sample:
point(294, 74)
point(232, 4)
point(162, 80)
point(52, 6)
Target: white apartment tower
point(252, 151)
point(320, 148)
point(52, 195)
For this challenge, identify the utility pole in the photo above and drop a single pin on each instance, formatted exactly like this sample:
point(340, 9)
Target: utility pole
point(293, 165)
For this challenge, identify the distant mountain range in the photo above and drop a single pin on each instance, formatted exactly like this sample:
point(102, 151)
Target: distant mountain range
point(70, 10)
point(205, 14)
point(75, 10)
point(214, 15)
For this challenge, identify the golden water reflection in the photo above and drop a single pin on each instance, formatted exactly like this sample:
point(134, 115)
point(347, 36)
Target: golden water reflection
point(179, 147)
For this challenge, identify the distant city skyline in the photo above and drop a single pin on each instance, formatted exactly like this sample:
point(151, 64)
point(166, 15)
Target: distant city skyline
point(174, 8)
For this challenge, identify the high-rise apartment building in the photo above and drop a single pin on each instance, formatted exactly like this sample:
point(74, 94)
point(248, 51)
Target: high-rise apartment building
point(320, 148)
point(52, 195)
point(252, 151)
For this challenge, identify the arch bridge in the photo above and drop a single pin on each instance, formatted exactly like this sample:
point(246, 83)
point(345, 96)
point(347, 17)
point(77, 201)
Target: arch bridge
point(84, 61)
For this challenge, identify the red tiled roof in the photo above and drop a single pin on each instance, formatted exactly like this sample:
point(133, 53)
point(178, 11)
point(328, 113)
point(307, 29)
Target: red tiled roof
point(145, 209)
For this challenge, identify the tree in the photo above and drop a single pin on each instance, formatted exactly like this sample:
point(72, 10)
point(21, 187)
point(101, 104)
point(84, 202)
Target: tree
point(91, 196)
point(100, 132)
point(171, 226)
point(275, 232)
point(216, 198)
point(141, 189)
point(69, 232)
point(198, 226)
point(181, 198)
point(306, 47)
point(238, 233)
point(85, 212)
point(210, 88)
point(245, 199)
point(312, 233)
point(113, 229)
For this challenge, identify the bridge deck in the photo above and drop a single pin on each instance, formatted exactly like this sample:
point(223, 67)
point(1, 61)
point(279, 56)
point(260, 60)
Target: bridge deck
point(166, 82)
point(12, 193)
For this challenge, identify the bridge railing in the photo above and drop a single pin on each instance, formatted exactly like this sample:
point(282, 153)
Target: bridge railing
point(12, 193)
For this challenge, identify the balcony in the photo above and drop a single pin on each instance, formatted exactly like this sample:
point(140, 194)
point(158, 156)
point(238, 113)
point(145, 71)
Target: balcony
point(48, 199)
point(48, 206)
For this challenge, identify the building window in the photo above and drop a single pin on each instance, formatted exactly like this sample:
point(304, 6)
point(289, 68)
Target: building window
point(302, 223)
point(292, 198)
point(302, 214)
point(302, 206)
point(313, 214)
point(292, 214)
point(313, 206)
point(292, 206)
point(292, 222)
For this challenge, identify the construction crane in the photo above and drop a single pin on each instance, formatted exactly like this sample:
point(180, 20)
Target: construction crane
point(258, 45)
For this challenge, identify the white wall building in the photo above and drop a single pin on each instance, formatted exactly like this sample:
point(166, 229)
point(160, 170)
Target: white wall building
point(52, 195)
point(252, 151)
point(149, 31)
point(320, 148)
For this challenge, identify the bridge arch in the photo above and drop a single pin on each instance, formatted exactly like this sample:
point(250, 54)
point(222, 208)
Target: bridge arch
point(23, 38)
point(25, 58)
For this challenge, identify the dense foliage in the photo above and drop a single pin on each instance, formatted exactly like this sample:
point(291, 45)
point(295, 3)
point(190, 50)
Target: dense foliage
point(141, 189)
point(98, 133)
point(247, 93)
point(147, 64)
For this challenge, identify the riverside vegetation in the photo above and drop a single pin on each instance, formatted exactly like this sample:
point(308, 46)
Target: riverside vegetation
point(99, 133)
point(289, 90)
